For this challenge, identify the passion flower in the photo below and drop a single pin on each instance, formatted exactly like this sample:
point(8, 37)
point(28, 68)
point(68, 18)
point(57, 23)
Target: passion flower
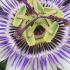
point(34, 34)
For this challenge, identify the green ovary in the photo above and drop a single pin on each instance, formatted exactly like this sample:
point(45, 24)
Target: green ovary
point(49, 26)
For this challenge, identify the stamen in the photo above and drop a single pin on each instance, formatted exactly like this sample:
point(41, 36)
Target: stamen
point(55, 18)
point(20, 31)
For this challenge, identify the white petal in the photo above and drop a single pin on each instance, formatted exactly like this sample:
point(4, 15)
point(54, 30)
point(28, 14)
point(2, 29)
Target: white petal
point(66, 65)
point(10, 67)
point(4, 53)
point(17, 62)
point(49, 67)
point(1, 59)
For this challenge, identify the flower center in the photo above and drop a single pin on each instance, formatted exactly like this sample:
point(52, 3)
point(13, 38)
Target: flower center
point(37, 30)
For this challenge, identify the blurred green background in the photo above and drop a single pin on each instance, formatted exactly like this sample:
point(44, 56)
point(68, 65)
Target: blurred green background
point(3, 65)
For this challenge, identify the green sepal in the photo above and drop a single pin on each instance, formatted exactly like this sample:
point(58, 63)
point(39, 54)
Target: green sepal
point(54, 27)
